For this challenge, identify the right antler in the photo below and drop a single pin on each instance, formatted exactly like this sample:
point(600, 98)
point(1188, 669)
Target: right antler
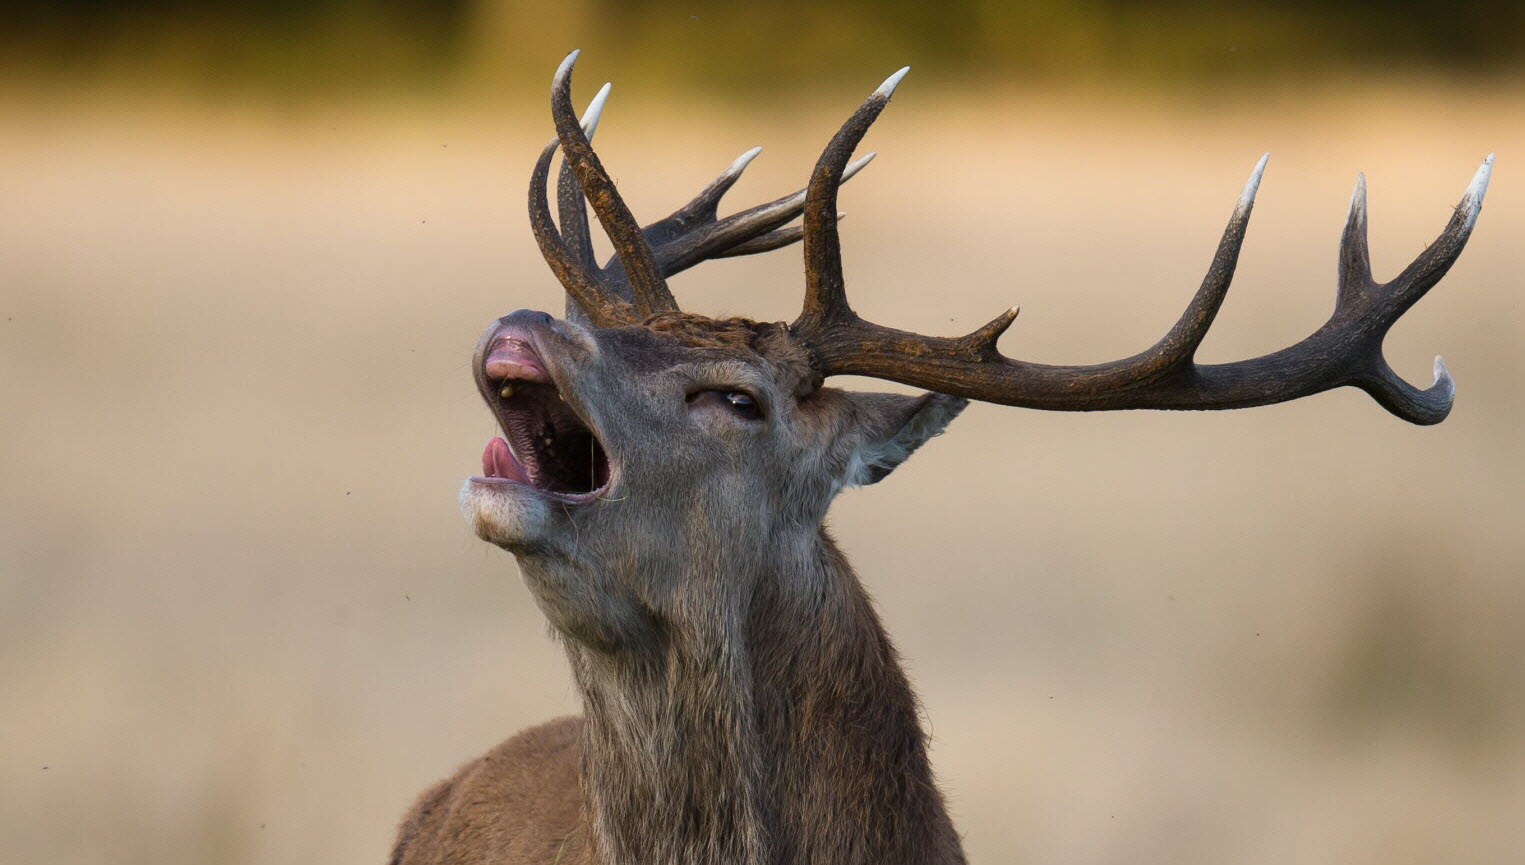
point(1347, 350)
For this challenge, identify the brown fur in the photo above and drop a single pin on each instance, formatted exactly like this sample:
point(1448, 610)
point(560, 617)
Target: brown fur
point(789, 359)
point(520, 802)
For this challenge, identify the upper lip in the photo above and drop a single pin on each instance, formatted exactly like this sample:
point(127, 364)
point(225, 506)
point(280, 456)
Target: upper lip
point(497, 341)
point(513, 356)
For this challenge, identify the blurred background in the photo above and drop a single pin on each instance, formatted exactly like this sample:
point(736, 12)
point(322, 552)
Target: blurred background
point(248, 248)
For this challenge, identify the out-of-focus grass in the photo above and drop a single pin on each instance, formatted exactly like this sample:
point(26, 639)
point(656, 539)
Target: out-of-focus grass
point(297, 51)
point(242, 623)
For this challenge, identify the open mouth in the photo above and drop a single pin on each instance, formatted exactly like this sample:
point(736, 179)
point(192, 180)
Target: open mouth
point(545, 444)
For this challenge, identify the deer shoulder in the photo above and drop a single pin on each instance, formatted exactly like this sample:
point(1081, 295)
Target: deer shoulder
point(519, 802)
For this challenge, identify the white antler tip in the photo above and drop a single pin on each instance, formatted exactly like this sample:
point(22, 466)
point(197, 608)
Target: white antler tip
point(1358, 194)
point(1441, 373)
point(1472, 199)
point(743, 161)
point(595, 110)
point(1247, 197)
point(1479, 183)
point(566, 65)
point(857, 165)
point(891, 82)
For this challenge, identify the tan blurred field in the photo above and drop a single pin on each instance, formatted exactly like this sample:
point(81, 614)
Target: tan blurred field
point(241, 621)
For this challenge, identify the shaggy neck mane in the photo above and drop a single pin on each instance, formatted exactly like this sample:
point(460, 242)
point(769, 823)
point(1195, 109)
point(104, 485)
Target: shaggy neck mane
point(780, 731)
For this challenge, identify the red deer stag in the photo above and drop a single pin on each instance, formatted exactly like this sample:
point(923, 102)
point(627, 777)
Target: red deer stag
point(662, 480)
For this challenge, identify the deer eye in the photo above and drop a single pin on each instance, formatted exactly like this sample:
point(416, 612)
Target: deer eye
point(738, 402)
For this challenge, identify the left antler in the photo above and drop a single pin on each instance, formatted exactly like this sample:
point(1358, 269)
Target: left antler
point(1347, 350)
point(691, 234)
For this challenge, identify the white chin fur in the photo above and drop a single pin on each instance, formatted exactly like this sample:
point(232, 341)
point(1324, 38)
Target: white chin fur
point(504, 514)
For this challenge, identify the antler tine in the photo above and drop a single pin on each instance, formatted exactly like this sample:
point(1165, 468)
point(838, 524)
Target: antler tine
point(572, 211)
point(648, 289)
point(692, 233)
point(825, 290)
point(701, 209)
point(595, 300)
point(1179, 346)
point(1427, 269)
point(768, 242)
point(1355, 256)
point(1346, 350)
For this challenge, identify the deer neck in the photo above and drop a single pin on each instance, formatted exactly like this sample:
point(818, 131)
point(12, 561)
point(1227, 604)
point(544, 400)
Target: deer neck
point(761, 726)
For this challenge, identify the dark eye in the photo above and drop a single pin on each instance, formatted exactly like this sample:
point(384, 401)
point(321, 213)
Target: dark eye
point(739, 403)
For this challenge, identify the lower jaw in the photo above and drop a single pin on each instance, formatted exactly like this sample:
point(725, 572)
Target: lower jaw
point(503, 483)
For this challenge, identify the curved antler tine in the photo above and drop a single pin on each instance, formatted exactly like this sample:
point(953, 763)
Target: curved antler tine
point(648, 289)
point(581, 286)
point(1423, 407)
point(698, 213)
point(1426, 270)
point(981, 344)
point(571, 209)
point(1355, 256)
point(707, 202)
point(1180, 345)
point(825, 291)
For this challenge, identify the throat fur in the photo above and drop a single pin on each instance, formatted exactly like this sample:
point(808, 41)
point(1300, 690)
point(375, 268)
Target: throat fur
point(791, 738)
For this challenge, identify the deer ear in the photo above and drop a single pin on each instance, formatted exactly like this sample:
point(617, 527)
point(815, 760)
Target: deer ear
point(890, 427)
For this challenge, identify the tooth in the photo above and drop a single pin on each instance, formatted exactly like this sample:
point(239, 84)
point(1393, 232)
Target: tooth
point(506, 391)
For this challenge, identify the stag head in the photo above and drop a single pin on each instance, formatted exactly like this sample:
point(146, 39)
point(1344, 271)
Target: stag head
point(639, 439)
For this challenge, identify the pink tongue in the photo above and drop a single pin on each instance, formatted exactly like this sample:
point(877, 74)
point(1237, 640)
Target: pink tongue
point(498, 462)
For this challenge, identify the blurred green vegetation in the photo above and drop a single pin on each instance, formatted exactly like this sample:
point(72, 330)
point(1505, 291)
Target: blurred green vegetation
point(320, 46)
point(281, 46)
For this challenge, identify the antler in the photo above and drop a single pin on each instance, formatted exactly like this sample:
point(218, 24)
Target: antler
point(689, 235)
point(1346, 350)
point(695, 233)
point(572, 263)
